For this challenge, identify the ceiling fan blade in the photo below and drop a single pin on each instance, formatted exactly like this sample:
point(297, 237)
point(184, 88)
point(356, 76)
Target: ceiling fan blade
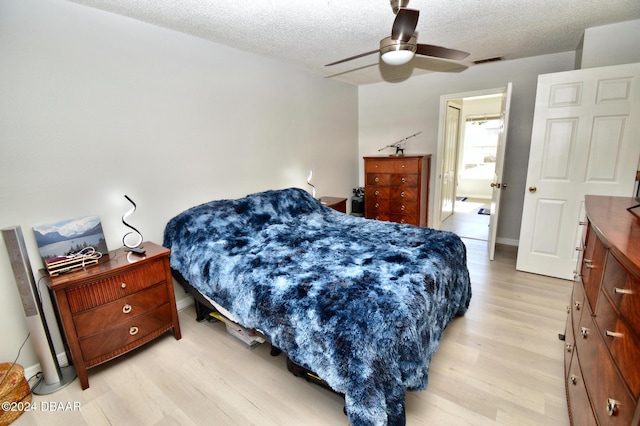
point(352, 57)
point(405, 24)
point(440, 52)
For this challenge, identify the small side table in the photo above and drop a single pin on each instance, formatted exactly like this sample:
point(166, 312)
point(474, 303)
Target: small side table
point(336, 203)
point(116, 306)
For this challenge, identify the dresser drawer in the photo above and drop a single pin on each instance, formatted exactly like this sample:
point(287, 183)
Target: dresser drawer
point(621, 343)
point(376, 206)
point(378, 179)
point(403, 218)
point(577, 398)
point(392, 165)
point(403, 207)
point(124, 333)
point(609, 395)
point(623, 289)
point(377, 193)
point(593, 267)
point(404, 180)
point(98, 293)
point(97, 319)
point(408, 194)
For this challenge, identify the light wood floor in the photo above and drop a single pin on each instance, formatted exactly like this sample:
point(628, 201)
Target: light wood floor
point(465, 220)
point(500, 364)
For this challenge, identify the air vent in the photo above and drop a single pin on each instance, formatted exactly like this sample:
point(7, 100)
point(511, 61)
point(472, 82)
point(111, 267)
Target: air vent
point(484, 61)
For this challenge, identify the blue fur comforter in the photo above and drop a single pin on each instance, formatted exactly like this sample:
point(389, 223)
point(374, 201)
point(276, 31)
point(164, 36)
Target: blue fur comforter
point(360, 302)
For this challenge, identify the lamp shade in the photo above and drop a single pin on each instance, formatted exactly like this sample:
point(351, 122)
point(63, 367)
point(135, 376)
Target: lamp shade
point(396, 52)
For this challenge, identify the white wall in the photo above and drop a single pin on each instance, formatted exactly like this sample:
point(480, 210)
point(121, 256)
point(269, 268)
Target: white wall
point(94, 106)
point(389, 111)
point(613, 44)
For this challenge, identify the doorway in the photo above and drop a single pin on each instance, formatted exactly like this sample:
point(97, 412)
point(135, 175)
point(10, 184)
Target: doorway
point(473, 124)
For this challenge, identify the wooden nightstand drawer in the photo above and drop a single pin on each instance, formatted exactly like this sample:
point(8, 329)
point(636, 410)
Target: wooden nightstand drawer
point(126, 332)
point(97, 293)
point(95, 320)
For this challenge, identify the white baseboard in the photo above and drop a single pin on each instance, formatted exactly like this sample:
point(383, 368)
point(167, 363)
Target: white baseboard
point(184, 303)
point(507, 241)
point(32, 370)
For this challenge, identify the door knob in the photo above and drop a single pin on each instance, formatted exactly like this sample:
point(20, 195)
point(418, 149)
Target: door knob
point(532, 189)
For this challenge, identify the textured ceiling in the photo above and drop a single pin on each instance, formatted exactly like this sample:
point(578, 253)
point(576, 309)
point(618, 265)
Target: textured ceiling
point(311, 33)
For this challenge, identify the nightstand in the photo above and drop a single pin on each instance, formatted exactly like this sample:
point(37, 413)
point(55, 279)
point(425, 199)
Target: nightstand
point(109, 309)
point(336, 203)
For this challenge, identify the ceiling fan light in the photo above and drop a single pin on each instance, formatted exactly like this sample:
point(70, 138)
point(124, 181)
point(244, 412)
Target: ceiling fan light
point(395, 52)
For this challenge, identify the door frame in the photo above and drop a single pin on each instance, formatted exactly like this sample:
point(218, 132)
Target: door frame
point(444, 99)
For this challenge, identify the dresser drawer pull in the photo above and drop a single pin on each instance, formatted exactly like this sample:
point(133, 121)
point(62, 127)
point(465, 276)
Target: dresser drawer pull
point(402, 207)
point(573, 379)
point(377, 205)
point(589, 265)
point(402, 220)
point(585, 260)
point(377, 193)
point(403, 180)
point(376, 179)
point(133, 331)
point(577, 305)
point(568, 347)
point(579, 249)
point(612, 407)
point(568, 309)
point(617, 290)
point(584, 332)
point(612, 334)
point(582, 223)
point(402, 194)
point(126, 308)
point(123, 285)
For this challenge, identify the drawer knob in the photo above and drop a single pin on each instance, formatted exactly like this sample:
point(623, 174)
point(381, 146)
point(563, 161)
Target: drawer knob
point(617, 290)
point(612, 334)
point(573, 379)
point(577, 304)
point(402, 207)
point(133, 331)
point(377, 179)
point(403, 180)
point(612, 407)
point(377, 193)
point(584, 332)
point(402, 220)
point(123, 285)
point(568, 347)
point(377, 205)
point(402, 194)
point(126, 308)
point(583, 223)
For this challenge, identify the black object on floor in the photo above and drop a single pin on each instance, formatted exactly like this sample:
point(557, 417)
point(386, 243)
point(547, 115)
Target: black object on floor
point(484, 211)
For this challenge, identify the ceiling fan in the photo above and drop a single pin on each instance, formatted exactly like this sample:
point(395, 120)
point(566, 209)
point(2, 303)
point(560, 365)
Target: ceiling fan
point(401, 46)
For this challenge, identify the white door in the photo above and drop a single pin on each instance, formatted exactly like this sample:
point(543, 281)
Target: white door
point(449, 161)
point(585, 140)
point(497, 184)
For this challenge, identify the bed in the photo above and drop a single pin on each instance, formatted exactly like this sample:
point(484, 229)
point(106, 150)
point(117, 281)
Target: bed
point(360, 302)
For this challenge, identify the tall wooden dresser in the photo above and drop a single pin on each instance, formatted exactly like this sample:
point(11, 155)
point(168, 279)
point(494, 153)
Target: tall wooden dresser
point(602, 340)
point(397, 188)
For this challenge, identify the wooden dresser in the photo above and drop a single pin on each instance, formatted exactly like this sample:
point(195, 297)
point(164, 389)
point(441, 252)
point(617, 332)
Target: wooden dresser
point(118, 305)
point(602, 340)
point(397, 188)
